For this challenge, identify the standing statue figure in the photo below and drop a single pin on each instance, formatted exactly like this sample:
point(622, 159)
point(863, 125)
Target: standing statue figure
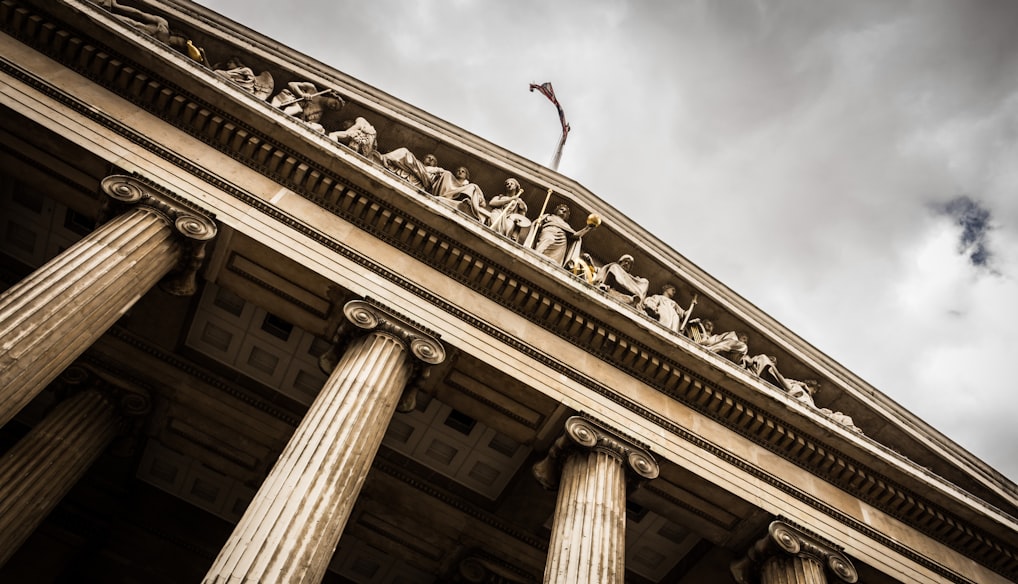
point(551, 236)
point(234, 69)
point(360, 136)
point(666, 310)
point(302, 100)
point(455, 190)
point(509, 211)
point(734, 344)
point(616, 279)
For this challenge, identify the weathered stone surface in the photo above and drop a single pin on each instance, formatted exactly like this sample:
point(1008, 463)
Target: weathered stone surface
point(290, 530)
point(39, 470)
point(48, 319)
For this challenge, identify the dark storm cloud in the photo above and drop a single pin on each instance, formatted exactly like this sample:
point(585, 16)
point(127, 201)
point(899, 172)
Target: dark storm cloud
point(974, 222)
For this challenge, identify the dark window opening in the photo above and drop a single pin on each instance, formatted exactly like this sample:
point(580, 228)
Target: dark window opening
point(277, 327)
point(460, 422)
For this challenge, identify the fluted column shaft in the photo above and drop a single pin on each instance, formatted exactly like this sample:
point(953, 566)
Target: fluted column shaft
point(39, 470)
point(589, 465)
point(291, 529)
point(792, 570)
point(588, 535)
point(48, 319)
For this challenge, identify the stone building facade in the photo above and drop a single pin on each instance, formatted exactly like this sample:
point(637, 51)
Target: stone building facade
point(252, 333)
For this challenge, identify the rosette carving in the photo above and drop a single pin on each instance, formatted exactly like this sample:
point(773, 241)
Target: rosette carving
point(784, 538)
point(582, 432)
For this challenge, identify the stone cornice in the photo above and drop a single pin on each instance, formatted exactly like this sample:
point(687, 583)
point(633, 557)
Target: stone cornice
point(624, 351)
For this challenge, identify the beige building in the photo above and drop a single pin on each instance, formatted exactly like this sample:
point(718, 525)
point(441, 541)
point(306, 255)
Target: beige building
point(240, 345)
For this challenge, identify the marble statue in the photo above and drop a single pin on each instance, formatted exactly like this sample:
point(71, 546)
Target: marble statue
point(841, 418)
point(761, 365)
point(509, 211)
point(729, 342)
point(455, 190)
point(617, 279)
point(551, 235)
point(155, 26)
point(302, 100)
point(801, 390)
point(234, 69)
point(804, 392)
point(360, 136)
point(666, 310)
point(431, 169)
point(419, 173)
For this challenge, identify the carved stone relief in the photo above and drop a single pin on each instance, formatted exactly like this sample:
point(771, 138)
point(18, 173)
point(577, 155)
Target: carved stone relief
point(550, 234)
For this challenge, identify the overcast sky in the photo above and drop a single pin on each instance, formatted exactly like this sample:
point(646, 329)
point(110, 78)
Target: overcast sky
point(850, 167)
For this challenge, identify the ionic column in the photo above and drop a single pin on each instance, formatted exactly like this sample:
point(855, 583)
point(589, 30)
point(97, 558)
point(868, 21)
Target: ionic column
point(589, 465)
point(43, 466)
point(291, 529)
point(48, 319)
point(789, 554)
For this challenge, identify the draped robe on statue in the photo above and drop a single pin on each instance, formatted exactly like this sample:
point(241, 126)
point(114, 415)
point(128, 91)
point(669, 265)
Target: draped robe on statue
point(615, 277)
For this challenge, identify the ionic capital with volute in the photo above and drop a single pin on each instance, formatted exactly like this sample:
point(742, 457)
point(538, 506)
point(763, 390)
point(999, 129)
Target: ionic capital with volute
point(290, 531)
point(786, 540)
point(422, 343)
point(193, 225)
point(583, 432)
point(130, 403)
point(349, 318)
